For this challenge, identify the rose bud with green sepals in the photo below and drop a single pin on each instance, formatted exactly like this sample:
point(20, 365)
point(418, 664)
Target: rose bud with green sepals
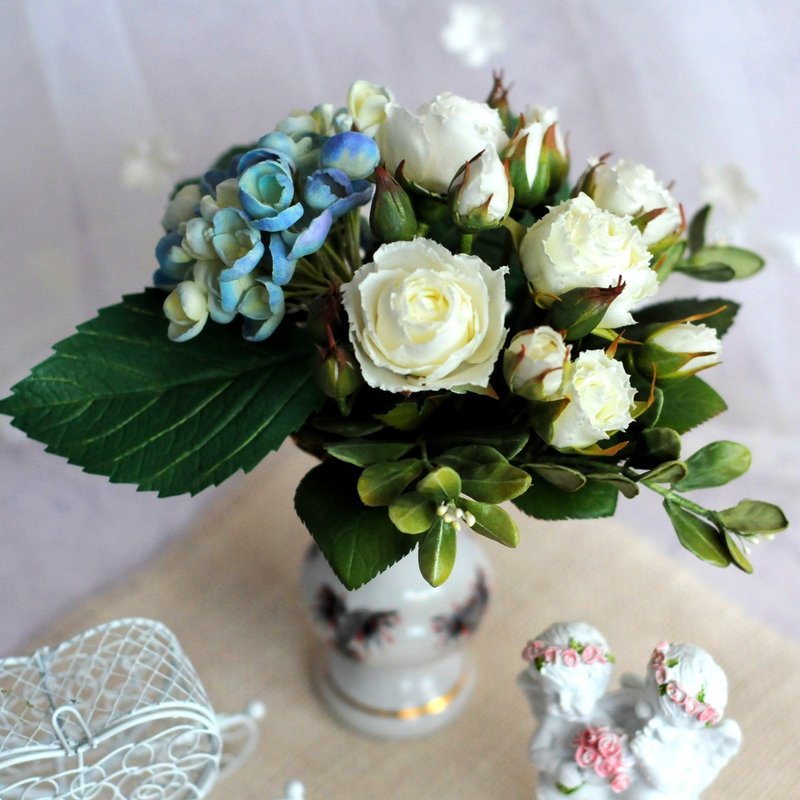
point(481, 194)
point(434, 143)
point(337, 375)
point(679, 350)
point(353, 153)
point(600, 402)
point(579, 311)
point(538, 157)
point(632, 189)
point(366, 104)
point(534, 362)
point(577, 245)
point(498, 100)
point(391, 216)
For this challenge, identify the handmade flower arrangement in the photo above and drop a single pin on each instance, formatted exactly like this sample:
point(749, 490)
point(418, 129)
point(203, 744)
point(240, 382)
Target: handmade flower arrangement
point(481, 335)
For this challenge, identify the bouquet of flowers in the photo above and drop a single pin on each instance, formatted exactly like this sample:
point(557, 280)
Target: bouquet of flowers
point(482, 334)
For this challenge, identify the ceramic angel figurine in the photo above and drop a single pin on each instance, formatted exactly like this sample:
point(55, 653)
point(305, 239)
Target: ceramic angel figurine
point(660, 738)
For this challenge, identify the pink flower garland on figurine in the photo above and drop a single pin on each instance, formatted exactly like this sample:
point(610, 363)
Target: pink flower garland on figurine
point(601, 749)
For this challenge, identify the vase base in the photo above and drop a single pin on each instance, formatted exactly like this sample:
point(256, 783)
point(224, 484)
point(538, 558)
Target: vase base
point(403, 722)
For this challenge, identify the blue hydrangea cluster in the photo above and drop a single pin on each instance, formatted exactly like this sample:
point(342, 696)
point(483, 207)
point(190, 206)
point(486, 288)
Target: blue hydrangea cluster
point(234, 236)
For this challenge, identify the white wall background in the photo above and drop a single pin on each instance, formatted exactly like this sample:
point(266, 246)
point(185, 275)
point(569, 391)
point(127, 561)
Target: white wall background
point(680, 86)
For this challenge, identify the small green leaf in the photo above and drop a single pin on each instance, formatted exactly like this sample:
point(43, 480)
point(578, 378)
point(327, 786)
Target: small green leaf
point(715, 464)
point(408, 415)
point(463, 457)
point(346, 427)
point(657, 445)
point(364, 453)
point(412, 513)
point(625, 486)
point(667, 261)
point(753, 516)
point(739, 558)
point(688, 402)
point(506, 442)
point(566, 478)
point(715, 272)
point(742, 263)
point(494, 483)
point(358, 542)
point(493, 522)
point(697, 228)
point(382, 484)
point(697, 536)
point(437, 552)
point(668, 472)
point(441, 485)
point(649, 418)
point(545, 501)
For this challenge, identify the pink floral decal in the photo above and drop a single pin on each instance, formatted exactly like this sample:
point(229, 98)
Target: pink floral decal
point(539, 653)
point(600, 749)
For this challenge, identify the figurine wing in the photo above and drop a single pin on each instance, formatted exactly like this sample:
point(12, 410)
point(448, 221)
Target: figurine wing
point(723, 742)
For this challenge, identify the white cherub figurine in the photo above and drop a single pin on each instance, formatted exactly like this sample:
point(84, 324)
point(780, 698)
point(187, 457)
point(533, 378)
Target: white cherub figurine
point(575, 747)
point(657, 739)
point(683, 743)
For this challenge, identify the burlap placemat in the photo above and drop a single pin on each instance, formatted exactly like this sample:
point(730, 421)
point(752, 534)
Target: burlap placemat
point(229, 591)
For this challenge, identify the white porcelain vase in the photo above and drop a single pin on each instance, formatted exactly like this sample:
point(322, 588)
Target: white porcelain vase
point(395, 663)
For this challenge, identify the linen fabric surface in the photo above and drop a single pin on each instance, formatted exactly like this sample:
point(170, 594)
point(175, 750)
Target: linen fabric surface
point(229, 591)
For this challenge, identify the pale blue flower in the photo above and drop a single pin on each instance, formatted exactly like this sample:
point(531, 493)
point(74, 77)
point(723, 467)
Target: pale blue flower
point(174, 263)
point(266, 190)
point(237, 244)
point(353, 153)
point(332, 189)
point(263, 308)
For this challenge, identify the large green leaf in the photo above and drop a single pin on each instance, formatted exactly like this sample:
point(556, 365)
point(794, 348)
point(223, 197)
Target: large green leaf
point(358, 542)
point(688, 402)
point(545, 501)
point(715, 465)
point(437, 552)
point(120, 399)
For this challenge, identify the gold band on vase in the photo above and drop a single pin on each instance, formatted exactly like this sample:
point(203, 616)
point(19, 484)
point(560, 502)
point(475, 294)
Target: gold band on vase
point(435, 706)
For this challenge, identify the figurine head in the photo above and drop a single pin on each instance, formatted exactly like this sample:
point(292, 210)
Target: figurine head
point(571, 665)
point(685, 686)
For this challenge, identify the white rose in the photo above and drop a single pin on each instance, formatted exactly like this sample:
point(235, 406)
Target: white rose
point(422, 318)
point(633, 189)
point(538, 119)
point(533, 363)
point(577, 244)
point(483, 193)
point(439, 139)
point(366, 104)
point(690, 338)
point(600, 400)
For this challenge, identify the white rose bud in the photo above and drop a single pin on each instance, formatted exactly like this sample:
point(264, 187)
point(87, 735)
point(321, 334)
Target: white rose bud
point(600, 401)
point(577, 245)
point(186, 308)
point(481, 195)
point(633, 189)
point(422, 318)
point(686, 339)
point(533, 363)
point(436, 142)
point(366, 104)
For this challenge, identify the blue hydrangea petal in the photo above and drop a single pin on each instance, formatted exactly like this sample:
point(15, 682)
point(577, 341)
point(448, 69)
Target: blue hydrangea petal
point(278, 142)
point(263, 308)
point(282, 266)
point(312, 238)
point(237, 243)
point(325, 186)
point(361, 194)
point(174, 262)
point(210, 180)
point(353, 153)
point(261, 154)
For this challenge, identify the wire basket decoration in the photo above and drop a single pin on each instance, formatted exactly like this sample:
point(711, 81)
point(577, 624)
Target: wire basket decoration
point(116, 713)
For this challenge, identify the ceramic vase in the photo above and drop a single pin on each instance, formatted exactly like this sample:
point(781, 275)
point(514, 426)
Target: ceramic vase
point(395, 662)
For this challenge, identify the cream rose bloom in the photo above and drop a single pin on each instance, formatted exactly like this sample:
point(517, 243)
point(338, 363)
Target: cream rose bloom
point(576, 244)
point(600, 401)
point(439, 139)
point(633, 189)
point(422, 318)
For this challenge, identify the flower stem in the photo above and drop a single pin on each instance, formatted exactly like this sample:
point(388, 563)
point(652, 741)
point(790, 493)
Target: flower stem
point(466, 242)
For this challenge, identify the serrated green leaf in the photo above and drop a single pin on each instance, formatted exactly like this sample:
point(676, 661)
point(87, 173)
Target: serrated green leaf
point(492, 522)
point(673, 310)
point(545, 501)
point(494, 483)
point(715, 464)
point(625, 486)
point(412, 513)
point(437, 552)
point(358, 542)
point(697, 536)
point(441, 485)
point(688, 402)
point(120, 399)
point(381, 484)
point(566, 478)
point(738, 557)
point(668, 472)
point(697, 228)
point(753, 516)
point(362, 453)
point(742, 263)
